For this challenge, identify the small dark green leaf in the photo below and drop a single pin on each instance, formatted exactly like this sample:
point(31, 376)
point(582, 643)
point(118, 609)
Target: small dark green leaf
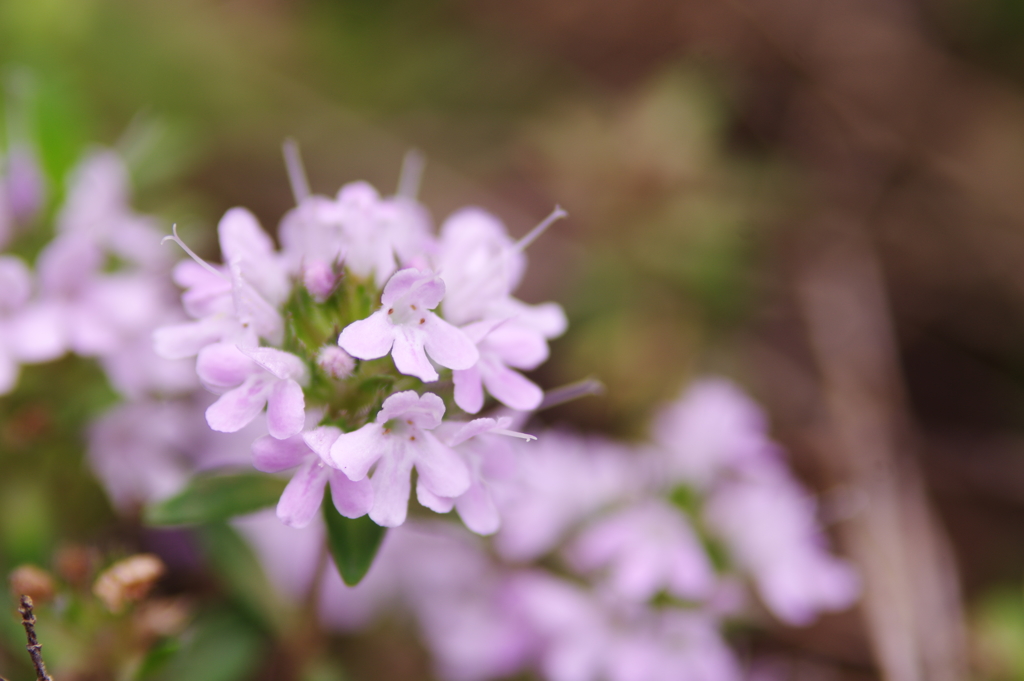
point(353, 543)
point(242, 575)
point(157, 658)
point(216, 497)
point(220, 646)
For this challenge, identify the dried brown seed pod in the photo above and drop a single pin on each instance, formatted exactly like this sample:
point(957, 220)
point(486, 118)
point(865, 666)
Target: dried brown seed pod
point(128, 580)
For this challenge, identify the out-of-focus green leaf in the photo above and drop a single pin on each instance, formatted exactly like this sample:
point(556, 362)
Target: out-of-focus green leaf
point(242, 574)
point(221, 646)
point(26, 523)
point(211, 498)
point(157, 658)
point(997, 628)
point(323, 670)
point(353, 543)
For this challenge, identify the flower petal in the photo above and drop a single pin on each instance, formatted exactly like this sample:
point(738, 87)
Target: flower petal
point(423, 411)
point(37, 333)
point(286, 409)
point(179, 341)
point(8, 372)
point(409, 356)
point(222, 365)
point(320, 440)
point(352, 498)
point(302, 496)
point(476, 427)
point(447, 345)
point(469, 389)
point(510, 387)
point(421, 288)
point(432, 501)
point(237, 408)
point(271, 455)
point(368, 338)
point(391, 486)
point(518, 346)
point(278, 362)
point(354, 453)
point(478, 511)
point(441, 470)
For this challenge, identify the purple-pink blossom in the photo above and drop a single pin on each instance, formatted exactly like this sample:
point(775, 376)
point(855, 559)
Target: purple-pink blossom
point(645, 548)
point(405, 327)
point(504, 345)
point(398, 440)
point(302, 496)
point(251, 378)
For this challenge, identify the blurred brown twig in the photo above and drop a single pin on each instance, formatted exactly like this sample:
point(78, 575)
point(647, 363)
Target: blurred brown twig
point(28, 620)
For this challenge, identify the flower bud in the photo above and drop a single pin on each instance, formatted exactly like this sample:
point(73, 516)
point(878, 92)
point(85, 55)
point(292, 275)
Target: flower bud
point(32, 581)
point(320, 279)
point(161, 617)
point(76, 563)
point(128, 580)
point(335, 361)
point(26, 188)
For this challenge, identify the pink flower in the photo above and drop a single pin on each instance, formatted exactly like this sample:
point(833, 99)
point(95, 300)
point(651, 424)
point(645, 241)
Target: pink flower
point(96, 208)
point(482, 266)
point(647, 548)
point(561, 479)
point(15, 288)
point(768, 523)
point(229, 303)
point(501, 345)
point(25, 184)
point(586, 636)
point(81, 308)
point(714, 427)
point(311, 241)
point(405, 327)
point(251, 378)
point(398, 440)
point(380, 235)
point(301, 498)
point(489, 452)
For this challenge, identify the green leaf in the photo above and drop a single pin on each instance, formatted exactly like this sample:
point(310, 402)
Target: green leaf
point(242, 575)
point(157, 658)
point(220, 646)
point(210, 498)
point(353, 542)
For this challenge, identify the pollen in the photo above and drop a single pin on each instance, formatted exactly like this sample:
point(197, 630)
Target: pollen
point(391, 310)
point(423, 320)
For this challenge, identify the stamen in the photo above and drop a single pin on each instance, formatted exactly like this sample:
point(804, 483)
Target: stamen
point(296, 172)
point(512, 433)
point(411, 174)
point(573, 391)
point(176, 239)
point(557, 214)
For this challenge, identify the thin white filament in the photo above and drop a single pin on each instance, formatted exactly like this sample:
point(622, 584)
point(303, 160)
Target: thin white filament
point(176, 239)
point(557, 214)
point(412, 174)
point(296, 171)
point(573, 391)
point(512, 433)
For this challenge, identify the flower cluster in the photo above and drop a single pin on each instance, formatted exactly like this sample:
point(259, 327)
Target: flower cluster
point(646, 551)
point(98, 287)
point(302, 334)
point(367, 346)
